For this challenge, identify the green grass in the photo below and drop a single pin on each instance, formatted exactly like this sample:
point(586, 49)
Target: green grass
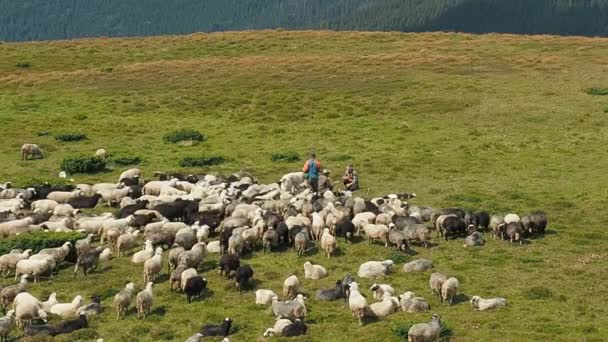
point(496, 122)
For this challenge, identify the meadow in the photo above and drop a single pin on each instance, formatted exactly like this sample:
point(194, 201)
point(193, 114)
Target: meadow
point(503, 123)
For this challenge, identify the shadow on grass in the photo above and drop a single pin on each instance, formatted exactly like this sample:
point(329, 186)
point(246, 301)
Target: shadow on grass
point(159, 311)
point(461, 298)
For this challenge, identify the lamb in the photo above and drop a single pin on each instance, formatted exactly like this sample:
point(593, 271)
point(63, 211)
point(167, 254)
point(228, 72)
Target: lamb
point(44, 206)
point(328, 243)
point(153, 266)
point(375, 269)
point(123, 299)
point(314, 271)
point(31, 151)
point(291, 286)
point(8, 294)
point(217, 330)
point(356, 302)
point(228, 262)
point(67, 309)
point(63, 196)
point(376, 231)
point(384, 308)
point(279, 325)
point(33, 268)
point(380, 289)
point(144, 301)
point(126, 242)
point(290, 309)
point(270, 239)
point(436, 282)
point(8, 262)
point(194, 288)
point(65, 210)
point(242, 276)
point(301, 242)
point(481, 304)
point(412, 304)
point(27, 308)
point(264, 297)
point(514, 232)
point(425, 332)
point(474, 239)
point(6, 325)
point(145, 254)
point(419, 265)
point(194, 257)
point(449, 289)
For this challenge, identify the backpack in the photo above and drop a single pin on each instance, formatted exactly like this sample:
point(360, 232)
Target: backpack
point(313, 169)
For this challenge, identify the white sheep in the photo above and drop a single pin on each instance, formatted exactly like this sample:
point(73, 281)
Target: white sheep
point(318, 224)
point(58, 253)
point(13, 227)
point(293, 182)
point(129, 174)
point(101, 153)
point(380, 289)
point(91, 224)
point(264, 297)
point(425, 332)
point(34, 268)
point(376, 231)
point(110, 196)
point(6, 324)
point(412, 304)
point(8, 262)
point(449, 289)
point(214, 247)
point(328, 243)
point(154, 187)
point(187, 274)
point(383, 308)
point(48, 304)
point(509, 218)
point(144, 301)
point(291, 286)
point(125, 201)
point(314, 271)
point(235, 244)
point(279, 325)
point(123, 299)
point(361, 219)
point(194, 257)
point(436, 282)
point(27, 308)
point(481, 304)
point(65, 210)
point(63, 196)
point(356, 302)
point(202, 232)
point(66, 310)
point(31, 151)
point(44, 206)
point(144, 254)
point(153, 266)
point(83, 246)
point(374, 269)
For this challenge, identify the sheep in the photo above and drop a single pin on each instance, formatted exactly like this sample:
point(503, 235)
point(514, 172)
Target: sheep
point(514, 231)
point(278, 327)
point(356, 302)
point(418, 232)
point(222, 329)
point(397, 238)
point(198, 337)
point(419, 265)
point(412, 304)
point(91, 224)
point(539, 222)
point(143, 301)
point(129, 174)
point(291, 286)
point(93, 308)
point(69, 326)
point(110, 196)
point(270, 239)
point(213, 247)
point(31, 151)
point(8, 294)
point(48, 304)
point(425, 332)
point(194, 257)
point(449, 289)
point(383, 308)
point(436, 282)
point(187, 274)
point(439, 227)
point(374, 269)
point(264, 297)
point(84, 245)
point(301, 242)
point(345, 229)
point(145, 254)
point(481, 304)
point(176, 277)
point(194, 288)
point(242, 276)
point(27, 308)
point(123, 299)
point(67, 309)
point(362, 219)
point(376, 231)
point(290, 309)
point(8, 262)
point(65, 224)
point(380, 289)
point(65, 209)
point(15, 226)
point(153, 266)
point(174, 255)
point(44, 206)
point(126, 242)
point(314, 271)
point(101, 153)
point(512, 218)
point(474, 239)
point(235, 244)
point(317, 226)
point(328, 243)
point(202, 232)
point(63, 196)
point(331, 293)
point(228, 262)
point(453, 226)
point(33, 268)
point(293, 182)
point(6, 325)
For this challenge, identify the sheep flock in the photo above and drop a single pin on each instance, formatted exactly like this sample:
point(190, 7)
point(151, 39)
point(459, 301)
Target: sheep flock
point(173, 227)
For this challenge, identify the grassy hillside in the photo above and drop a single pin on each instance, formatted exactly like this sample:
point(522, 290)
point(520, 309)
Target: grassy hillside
point(495, 122)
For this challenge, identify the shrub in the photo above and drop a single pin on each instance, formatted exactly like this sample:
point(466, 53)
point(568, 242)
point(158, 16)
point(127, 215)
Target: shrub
point(597, 91)
point(287, 157)
point(23, 65)
point(83, 164)
point(70, 136)
point(183, 135)
point(126, 160)
point(401, 330)
point(37, 241)
point(201, 161)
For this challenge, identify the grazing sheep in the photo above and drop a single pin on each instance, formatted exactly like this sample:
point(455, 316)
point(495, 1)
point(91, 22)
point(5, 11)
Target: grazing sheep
point(126, 242)
point(412, 304)
point(449, 289)
point(264, 297)
point(194, 257)
point(270, 239)
point(277, 330)
point(291, 285)
point(153, 266)
point(242, 276)
point(8, 262)
point(228, 262)
point(380, 289)
point(301, 242)
point(454, 227)
point(436, 282)
point(328, 243)
point(439, 224)
point(31, 151)
point(33, 268)
point(143, 301)
point(123, 299)
point(27, 308)
point(290, 309)
point(236, 244)
point(356, 302)
point(174, 255)
point(397, 238)
point(418, 232)
point(145, 254)
point(376, 231)
point(101, 153)
point(514, 232)
point(194, 288)
point(512, 218)
point(481, 304)
point(419, 265)
point(383, 308)
point(375, 269)
point(539, 222)
point(44, 206)
point(66, 310)
point(186, 237)
point(6, 325)
point(67, 327)
point(187, 274)
point(217, 330)
point(425, 332)
point(474, 239)
point(8, 294)
point(175, 279)
point(314, 271)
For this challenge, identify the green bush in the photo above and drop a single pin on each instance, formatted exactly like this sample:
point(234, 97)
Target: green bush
point(183, 135)
point(83, 164)
point(287, 157)
point(124, 160)
point(597, 91)
point(201, 161)
point(37, 241)
point(70, 136)
point(23, 65)
point(43, 133)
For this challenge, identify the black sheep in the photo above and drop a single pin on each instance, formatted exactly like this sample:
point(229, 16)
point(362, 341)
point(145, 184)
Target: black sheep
point(297, 328)
point(43, 190)
point(283, 234)
point(459, 212)
point(242, 276)
point(293, 232)
point(210, 219)
point(470, 219)
point(217, 330)
point(454, 227)
point(272, 219)
point(194, 288)
point(72, 325)
point(88, 261)
point(331, 294)
point(539, 222)
point(174, 210)
point(84, 201)
point(224, 238)
point(483, 220)
point(346, 229)
point(229, 262)
point(142, 220)
point(131, 209)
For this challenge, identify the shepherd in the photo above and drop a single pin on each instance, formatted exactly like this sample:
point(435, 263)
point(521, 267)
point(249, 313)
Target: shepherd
point(311, 173)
